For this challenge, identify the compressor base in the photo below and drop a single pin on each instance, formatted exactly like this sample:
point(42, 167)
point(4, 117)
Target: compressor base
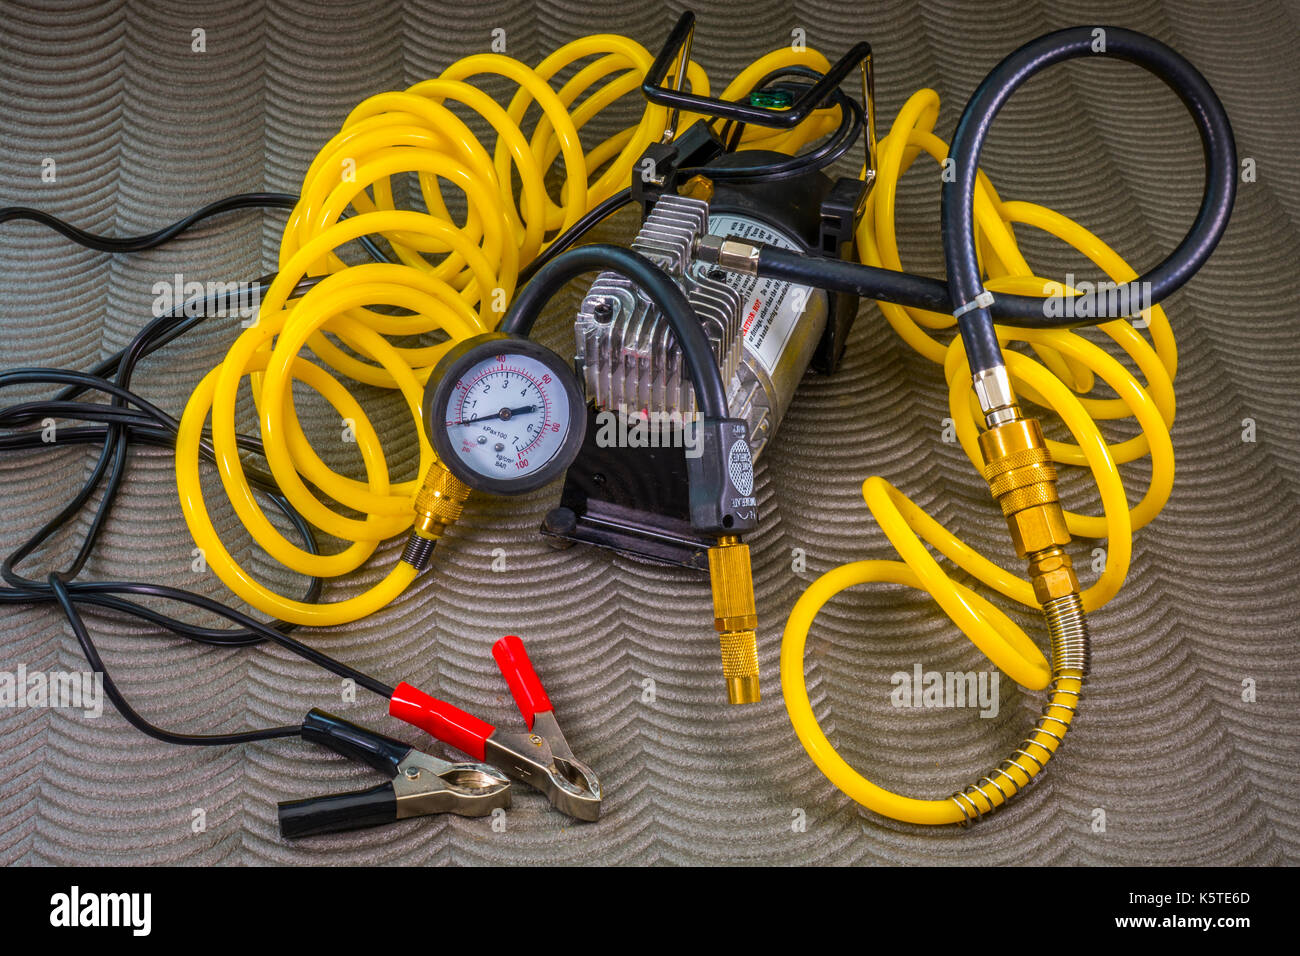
point(632, 500)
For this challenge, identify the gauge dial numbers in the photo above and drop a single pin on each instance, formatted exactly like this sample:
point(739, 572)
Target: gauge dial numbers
point(504, 414)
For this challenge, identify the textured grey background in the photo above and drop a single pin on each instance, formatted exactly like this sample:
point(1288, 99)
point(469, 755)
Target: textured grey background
point(143, 131)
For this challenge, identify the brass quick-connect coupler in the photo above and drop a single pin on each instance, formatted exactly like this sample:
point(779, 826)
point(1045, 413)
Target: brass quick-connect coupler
point(439, 502)
point(1022, 478)
point(735, 617)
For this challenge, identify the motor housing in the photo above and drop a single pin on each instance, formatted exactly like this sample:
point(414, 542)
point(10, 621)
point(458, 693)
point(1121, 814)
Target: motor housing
point(628, 489)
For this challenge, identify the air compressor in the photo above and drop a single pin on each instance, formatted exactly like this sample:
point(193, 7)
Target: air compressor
point(652, 477)
point(746, 272)
point(732, 289)
point(765, 334)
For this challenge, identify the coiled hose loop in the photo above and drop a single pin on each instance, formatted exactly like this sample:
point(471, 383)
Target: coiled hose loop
point(458, 262)
point(1060, 375)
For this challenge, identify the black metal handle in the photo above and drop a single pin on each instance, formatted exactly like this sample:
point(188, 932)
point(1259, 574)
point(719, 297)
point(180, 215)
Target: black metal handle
point(383, 753)
point(656, 92)
point(338, 812)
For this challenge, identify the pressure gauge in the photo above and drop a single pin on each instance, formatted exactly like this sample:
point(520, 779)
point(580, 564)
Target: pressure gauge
point(504, 414)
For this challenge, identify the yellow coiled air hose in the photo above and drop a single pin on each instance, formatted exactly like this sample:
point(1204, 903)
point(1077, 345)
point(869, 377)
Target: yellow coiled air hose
point(1066, 369)
point(455, 280)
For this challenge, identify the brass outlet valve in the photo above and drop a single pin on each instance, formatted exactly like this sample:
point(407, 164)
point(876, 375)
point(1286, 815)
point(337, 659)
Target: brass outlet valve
point(735, 617)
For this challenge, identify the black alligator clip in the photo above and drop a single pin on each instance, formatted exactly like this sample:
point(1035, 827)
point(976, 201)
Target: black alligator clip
point(421, 784)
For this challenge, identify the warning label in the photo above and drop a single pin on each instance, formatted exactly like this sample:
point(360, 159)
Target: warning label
point(771, 308)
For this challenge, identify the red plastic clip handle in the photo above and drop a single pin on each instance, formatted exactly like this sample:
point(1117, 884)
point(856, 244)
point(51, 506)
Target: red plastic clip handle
point(440, 719)
point(524, 683)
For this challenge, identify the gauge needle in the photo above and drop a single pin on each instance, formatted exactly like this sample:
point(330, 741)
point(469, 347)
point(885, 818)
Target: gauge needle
point(505, 415)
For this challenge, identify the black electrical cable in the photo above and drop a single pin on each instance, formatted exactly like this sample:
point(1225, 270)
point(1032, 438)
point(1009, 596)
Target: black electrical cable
point(666, 295)
point(126, 420)
point(163, 430)
point(153, 336)
point(183, 318)
point(153, 239)
point(566, 239)
point(958, 204)
point(117, 414)
point(60, 593)
point(114, 244)
point(59, 590)
point(104, 594)
point(147, 431)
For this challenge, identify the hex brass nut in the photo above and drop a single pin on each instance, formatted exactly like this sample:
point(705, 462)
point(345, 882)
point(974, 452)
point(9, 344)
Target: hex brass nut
point(1022, 479)
point(1037, 529)
point(1053, 575)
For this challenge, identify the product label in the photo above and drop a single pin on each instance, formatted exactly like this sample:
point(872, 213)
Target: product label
point(770, 308)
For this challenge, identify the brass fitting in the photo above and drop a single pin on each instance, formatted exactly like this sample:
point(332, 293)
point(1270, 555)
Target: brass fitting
point(735, 617)
point(697, 187)
point(1022, 478)
point(1052, 572)
point(439, 501)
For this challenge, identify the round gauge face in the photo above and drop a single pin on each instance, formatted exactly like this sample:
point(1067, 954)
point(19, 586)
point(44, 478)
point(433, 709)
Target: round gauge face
point(506, 415)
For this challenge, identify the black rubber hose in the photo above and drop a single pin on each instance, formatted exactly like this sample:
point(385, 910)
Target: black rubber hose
point(872, 282)
point(667, 296)
point(958, 215)
point(1026, 311)
point(905, 288)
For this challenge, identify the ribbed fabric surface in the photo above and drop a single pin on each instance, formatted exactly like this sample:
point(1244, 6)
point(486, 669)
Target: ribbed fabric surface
point(142, 130)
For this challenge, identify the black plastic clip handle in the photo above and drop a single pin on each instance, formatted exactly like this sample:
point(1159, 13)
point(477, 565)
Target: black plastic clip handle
point(338, 812)
point(351, 740)
point(346, 811)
